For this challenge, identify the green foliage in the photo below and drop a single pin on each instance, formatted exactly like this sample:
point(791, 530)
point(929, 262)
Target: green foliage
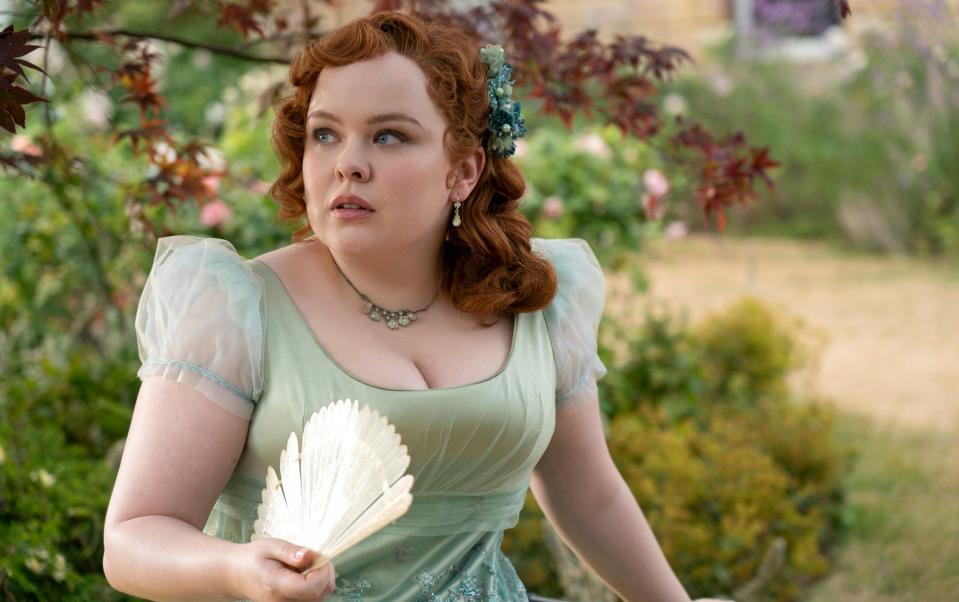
point(588, 183)
point(719, 457)
point(61, 417)
point(717, 495)
point(662, 368)
point(748, 351)
point(869, 147)
point(74, 265)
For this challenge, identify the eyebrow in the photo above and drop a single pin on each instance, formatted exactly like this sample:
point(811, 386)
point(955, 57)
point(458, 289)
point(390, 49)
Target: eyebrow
point(375, 119)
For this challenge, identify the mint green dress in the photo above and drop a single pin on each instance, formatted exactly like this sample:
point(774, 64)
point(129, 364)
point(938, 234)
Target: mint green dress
point(226, 326)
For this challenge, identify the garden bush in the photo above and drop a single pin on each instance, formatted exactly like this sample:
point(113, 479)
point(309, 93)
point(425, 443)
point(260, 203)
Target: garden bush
point(723, 461)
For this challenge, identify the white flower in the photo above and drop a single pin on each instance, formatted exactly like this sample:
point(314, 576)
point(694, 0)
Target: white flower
point(46, 479)
point(59, 567)
point(36, 560)
point(164, 152)
point(34, 565)
point(721, 84)
point(674, 104)
point(202, 59)
point(211, 158)
point(215, 112)
point(95, 107)
point(593, 143)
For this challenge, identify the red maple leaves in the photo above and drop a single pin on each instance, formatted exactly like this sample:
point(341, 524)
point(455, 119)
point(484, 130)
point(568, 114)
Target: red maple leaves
point(13, 45)
point(617, 80)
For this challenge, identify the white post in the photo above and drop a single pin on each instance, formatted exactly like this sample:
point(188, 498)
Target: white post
point(743, 17)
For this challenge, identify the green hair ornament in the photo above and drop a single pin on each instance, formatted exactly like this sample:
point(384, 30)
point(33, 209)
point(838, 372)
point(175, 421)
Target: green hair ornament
point(505, 121)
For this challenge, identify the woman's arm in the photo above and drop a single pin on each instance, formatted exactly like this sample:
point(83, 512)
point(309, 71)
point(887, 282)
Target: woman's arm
point(586, 500)
point(180, 452)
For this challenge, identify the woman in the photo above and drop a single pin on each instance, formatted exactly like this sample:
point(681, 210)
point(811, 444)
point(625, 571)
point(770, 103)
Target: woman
point(476, 342)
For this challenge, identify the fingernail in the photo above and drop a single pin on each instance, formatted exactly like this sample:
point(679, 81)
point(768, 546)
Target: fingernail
point(300, 553)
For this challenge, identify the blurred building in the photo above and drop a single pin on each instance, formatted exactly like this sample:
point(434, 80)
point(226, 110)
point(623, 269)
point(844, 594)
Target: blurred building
point(694, 24)
point(799, 28)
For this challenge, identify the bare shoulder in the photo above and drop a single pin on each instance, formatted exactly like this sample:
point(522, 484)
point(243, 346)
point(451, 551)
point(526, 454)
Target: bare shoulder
point(279, 256)
point(291, 262)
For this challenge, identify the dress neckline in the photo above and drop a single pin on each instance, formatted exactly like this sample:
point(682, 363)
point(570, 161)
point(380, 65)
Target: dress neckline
point(302, 318)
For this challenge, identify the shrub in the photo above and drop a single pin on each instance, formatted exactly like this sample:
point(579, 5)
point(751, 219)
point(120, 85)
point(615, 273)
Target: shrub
point(717, 496)
point(723, 463)
point(58, 425)
point(747, 352)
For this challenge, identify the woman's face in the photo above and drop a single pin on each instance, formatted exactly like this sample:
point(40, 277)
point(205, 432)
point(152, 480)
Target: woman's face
point(372, 131)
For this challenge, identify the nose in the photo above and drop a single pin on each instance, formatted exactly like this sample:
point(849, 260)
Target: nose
point(351, 165)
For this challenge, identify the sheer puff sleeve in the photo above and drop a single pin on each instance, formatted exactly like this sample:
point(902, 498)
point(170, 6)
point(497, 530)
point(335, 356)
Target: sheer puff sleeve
point(573, 316)
point(200, 322)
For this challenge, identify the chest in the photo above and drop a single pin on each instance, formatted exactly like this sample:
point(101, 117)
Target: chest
point(428, 354)
point(441, 348)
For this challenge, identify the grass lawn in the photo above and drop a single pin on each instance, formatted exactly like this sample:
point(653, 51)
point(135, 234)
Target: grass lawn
point(902, 542)
point(889, 362)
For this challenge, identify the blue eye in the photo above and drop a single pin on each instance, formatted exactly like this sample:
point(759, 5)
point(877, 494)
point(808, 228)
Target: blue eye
point(396, 135)
point(318, 132)
point(324, 136)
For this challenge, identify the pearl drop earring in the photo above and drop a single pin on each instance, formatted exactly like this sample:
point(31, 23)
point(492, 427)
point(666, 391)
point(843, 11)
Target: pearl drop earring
point(456, 212)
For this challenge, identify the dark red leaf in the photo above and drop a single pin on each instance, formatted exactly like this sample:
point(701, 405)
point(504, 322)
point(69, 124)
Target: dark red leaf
point(85, 7)
point(25, 97)
point(244, 17)
point(844, 9)
point(14, 44)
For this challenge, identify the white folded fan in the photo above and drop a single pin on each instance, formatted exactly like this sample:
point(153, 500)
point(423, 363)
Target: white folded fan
point(346, 484)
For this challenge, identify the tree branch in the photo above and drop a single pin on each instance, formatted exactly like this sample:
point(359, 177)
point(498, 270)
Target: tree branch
point(142, 35)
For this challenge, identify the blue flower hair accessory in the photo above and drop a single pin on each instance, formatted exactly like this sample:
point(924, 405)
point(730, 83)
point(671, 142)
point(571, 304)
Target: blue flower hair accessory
point(505, 122)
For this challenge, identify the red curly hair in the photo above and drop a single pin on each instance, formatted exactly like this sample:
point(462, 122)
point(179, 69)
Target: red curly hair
point(487, 264)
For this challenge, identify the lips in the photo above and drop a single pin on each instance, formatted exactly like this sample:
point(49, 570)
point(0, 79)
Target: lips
point(350, 202)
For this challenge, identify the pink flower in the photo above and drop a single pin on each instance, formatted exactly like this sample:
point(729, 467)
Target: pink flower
point(676, 230)
point(259, 187)
point(594, 144)
point(553, 207)
point(212, 183)
point(214, 213)
point(22, 144)
point(656, 182)
point(653, 206)
point(521, 148)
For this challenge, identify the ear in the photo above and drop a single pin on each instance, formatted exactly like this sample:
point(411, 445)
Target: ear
point(467, 173)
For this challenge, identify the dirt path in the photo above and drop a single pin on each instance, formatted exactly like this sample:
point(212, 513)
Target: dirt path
point(892, 324)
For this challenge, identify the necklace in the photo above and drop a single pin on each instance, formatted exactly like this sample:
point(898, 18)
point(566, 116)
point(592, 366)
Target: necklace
point(392, 319)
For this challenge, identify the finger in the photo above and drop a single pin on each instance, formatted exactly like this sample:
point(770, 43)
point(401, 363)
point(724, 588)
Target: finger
point(290, 584)
point(326, 578)
point(292, 554)
point(325, 573)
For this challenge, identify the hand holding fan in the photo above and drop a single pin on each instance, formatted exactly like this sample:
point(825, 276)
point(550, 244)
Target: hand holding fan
point(345, 484)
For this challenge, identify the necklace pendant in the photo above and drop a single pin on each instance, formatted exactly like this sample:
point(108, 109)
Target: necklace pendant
point(375, 315)
point(404, 320)
point(392, 324)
